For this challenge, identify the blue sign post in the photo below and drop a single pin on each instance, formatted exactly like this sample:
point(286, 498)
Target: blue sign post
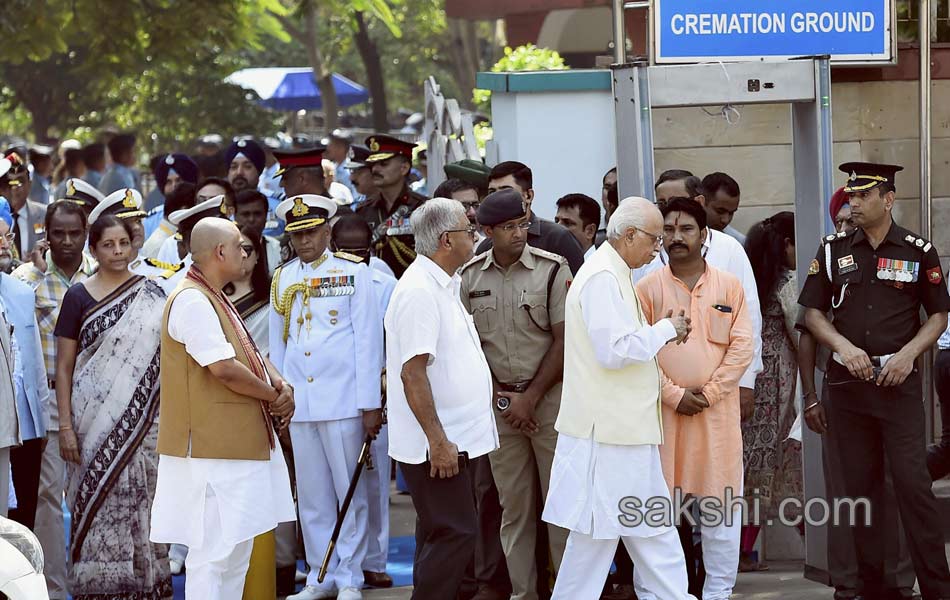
point(851, 31)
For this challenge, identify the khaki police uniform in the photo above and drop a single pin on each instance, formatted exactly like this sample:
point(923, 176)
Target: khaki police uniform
point(514, 310)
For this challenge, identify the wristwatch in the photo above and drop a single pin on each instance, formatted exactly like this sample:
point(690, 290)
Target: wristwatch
point(502, 403)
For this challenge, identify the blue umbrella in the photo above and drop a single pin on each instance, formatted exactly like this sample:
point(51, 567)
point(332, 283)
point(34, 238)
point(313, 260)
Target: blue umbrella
point(294, 88)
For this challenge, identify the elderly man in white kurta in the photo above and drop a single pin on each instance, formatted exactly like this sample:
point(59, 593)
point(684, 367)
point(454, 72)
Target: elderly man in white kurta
point(609, 426)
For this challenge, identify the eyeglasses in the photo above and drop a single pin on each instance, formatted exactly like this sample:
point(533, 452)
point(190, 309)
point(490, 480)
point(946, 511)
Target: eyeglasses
point(657, 239)
point(469, 230)
point(508, 228)
point(9, 238)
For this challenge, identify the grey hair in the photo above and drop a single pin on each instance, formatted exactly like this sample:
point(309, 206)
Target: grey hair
point(632, 212)
point(433, 218)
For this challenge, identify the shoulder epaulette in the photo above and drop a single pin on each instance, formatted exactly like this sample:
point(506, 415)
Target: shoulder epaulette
point(160, 264)
point(918, 242)
point(834, 236)
point(168, 273)
point(348, 256)
point(548, 255)
point(477, 259)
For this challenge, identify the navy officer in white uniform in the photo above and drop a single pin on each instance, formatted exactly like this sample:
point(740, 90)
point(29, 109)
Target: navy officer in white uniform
point(325, 329)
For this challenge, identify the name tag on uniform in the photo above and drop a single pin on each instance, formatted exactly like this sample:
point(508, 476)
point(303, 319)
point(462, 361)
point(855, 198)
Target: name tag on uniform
point(846, 264)
point(479, 293)
point(328, 287)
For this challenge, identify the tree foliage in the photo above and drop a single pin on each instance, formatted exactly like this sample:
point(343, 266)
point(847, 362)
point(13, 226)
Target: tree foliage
point(91, 50)
point(527, 57)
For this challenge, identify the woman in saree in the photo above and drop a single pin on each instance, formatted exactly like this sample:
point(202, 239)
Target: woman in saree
point(107, 342)
point(251, 294)
point(251, 297)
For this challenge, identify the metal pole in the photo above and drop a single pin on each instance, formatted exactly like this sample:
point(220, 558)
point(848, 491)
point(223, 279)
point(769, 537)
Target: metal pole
point(620, 33)
point(924, 17)
point(925, 118)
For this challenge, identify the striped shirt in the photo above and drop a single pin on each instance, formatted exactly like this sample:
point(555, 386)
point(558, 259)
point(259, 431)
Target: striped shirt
point(50, 287)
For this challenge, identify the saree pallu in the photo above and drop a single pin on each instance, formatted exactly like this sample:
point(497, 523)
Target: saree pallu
point(115, 407)
point(260, 583)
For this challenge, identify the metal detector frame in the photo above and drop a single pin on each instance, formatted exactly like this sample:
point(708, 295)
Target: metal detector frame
point(803, 83)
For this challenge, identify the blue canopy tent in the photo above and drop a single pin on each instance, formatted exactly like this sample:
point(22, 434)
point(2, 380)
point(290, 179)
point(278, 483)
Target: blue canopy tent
point(294, 88)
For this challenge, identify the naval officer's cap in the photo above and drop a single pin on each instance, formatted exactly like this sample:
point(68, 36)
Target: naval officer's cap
point(305, 211)
point(125, 203)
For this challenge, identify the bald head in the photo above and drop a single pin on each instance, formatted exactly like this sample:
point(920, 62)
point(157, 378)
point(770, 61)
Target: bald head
point(210, 233)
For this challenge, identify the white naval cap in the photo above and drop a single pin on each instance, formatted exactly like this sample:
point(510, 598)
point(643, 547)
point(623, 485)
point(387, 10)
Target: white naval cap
point(125, 203)
point(212, 207)
point(305, 211)
point(83, 193)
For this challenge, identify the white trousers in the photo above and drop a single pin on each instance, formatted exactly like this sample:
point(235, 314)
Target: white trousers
point(325, 455)
point(377, 495)
point(178, 552)
point(49, 526)
point(720, 559)
point(587, 560)
point(215, 571)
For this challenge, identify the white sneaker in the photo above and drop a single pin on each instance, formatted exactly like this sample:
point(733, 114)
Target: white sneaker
point(349, 593)
point(175, 566)
point(313, 593)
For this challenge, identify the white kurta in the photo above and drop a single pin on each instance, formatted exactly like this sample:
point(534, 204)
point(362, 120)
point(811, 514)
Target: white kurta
point(589, 479)
point(253, 496)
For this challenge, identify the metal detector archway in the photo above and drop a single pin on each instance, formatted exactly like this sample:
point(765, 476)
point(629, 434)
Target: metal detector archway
point(805, 84)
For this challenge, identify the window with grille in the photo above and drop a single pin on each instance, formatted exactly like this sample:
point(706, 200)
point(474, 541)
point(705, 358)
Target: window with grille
point(908, 19)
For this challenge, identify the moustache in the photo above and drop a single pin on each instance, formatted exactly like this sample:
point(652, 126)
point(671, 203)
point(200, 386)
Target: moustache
point(683, 246)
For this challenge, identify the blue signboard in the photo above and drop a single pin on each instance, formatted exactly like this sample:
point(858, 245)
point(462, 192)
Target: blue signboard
point(853, 31)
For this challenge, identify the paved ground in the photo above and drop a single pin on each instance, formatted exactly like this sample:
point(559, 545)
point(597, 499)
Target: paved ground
point(783, 581)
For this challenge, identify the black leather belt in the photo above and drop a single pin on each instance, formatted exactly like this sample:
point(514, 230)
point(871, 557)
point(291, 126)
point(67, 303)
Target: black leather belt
point(52, 383)
point(517, 388)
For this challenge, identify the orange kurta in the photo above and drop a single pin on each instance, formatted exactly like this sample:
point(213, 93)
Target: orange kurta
point(702, 454)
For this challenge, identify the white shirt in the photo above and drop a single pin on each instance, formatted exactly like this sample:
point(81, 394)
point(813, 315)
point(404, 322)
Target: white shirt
point(617, 339)
point(253, 496)
point(272, 251)
point(380, 265)
point(169, 251)
point(590, 251)
point(944, 342)
point(426, 316)
point(726, 254)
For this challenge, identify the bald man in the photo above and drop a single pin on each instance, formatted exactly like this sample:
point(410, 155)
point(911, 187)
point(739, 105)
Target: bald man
point(220, 480)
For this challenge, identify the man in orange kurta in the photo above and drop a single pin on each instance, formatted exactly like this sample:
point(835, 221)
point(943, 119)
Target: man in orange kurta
point(702, 440)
